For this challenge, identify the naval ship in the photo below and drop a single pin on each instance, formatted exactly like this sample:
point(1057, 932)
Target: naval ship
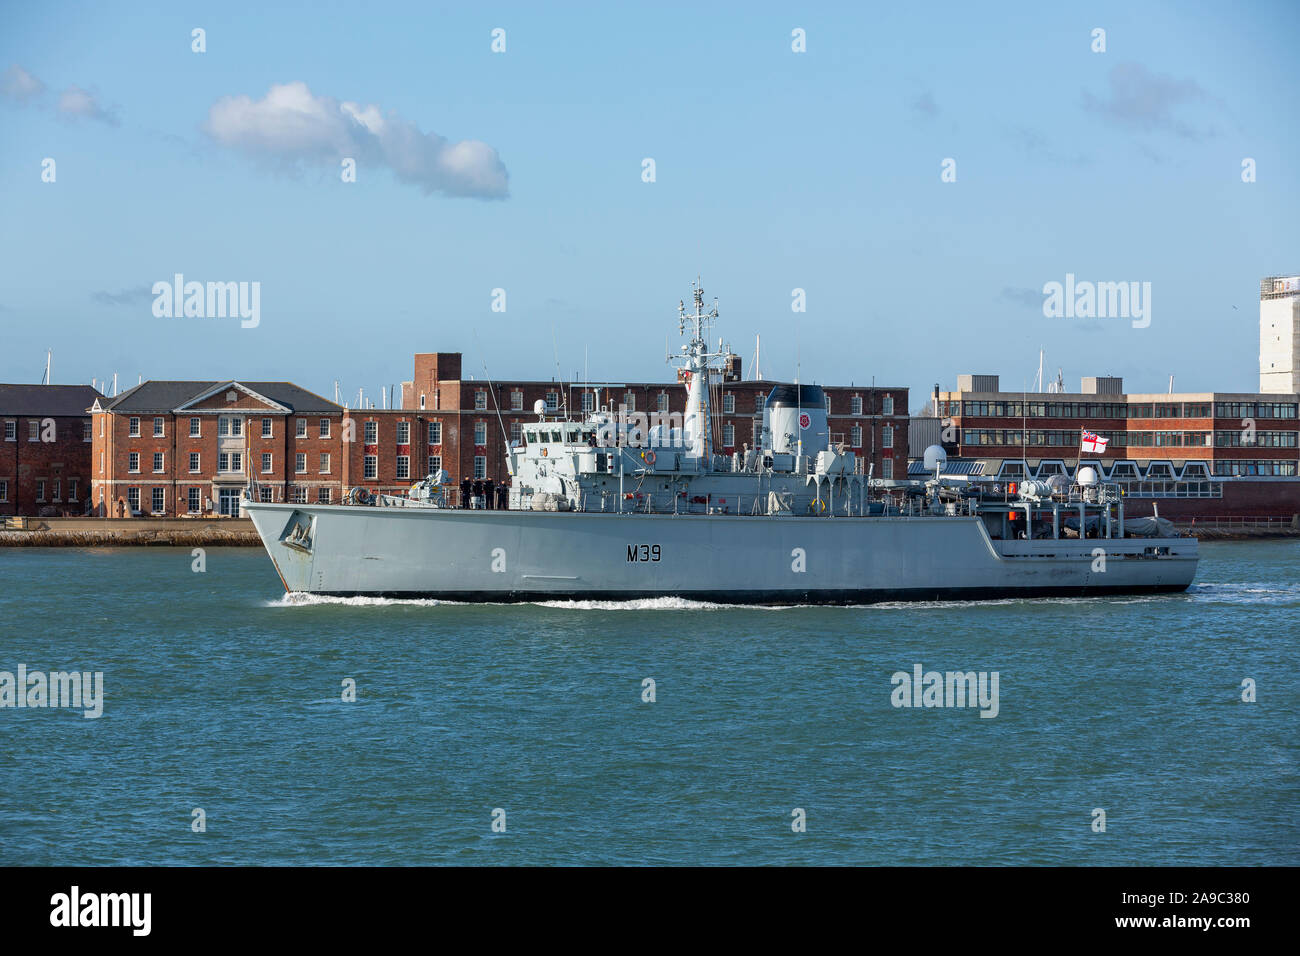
point(615, 506)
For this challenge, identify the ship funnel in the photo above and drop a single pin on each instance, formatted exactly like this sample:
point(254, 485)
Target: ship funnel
point(795, 419)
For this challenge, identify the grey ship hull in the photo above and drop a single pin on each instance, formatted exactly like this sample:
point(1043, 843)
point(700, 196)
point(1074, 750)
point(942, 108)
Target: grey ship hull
point(504, 556)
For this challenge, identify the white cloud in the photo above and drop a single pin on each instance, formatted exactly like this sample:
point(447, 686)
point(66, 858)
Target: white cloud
point(19, 85)
point(76, 103)
point(292, 125)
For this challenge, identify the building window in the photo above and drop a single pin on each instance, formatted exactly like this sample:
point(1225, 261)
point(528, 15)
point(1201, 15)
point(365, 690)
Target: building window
point(435, 433)
point(298, 495)
point(371, 429)
point(159, 503)
point(11, 431)
point(194, 462)
point(887, 468)
point(887, 405)
point(300, 462)
point(33, 430)
point(629, 400)
point(552, 401)
point(480, 433)
point(887, 437)
point(480, 466)
point(4, 490)
point(403, 433)
point(855, 435)
point(134, 428)
point(728, 436)
point(72, 489)
point(196, 428)
point(324, 428)
point(422, 399)
point(86, 433)
point(855, 405)
point(266, 493)
point(40, 489)
point(371, 467)
point(158, 431)
point(323, 495)
point(759, 401)
point(266, 461)
point(230, 426)
point(300, 428)
point(266, 428)
point(157, 462)
point(728, 404)
point(230, 461)
point(516, 401)
point(133, 462)
point(133, 500)
point(588, 401)
point(194, 503)
point(324, 463)
point(435, 464)
point(480, 400)
point(58, 489)
point(516, 433)
point(662, 402)
point(403, 466)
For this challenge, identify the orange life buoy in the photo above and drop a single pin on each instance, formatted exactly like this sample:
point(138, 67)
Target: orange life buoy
point(649, 457)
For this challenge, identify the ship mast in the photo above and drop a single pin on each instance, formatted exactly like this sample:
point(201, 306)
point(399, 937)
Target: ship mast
point(698, 362)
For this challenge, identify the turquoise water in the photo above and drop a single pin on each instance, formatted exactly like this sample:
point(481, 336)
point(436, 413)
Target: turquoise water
point(221, 695)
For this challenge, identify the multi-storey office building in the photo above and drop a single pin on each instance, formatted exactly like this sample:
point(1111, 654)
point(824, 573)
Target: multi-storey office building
point(1197, 454)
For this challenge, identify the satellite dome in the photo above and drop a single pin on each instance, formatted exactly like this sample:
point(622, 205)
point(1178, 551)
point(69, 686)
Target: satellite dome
point(1087, 475)
point(935, 457)
point(539, 407)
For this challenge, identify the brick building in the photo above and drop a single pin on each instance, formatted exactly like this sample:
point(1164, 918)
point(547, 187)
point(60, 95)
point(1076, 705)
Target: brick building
point(176, 448)
point(45, 456)
point(467, 425)
point(1196, 454)
point(172, 449)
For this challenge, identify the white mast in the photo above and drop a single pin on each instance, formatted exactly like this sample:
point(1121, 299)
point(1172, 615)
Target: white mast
point(696, 360)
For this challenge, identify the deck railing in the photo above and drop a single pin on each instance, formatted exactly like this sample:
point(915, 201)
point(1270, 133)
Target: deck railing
point(1240, 523)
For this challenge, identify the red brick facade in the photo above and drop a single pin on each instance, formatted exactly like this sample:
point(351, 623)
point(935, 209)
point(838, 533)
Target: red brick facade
point(45, 455)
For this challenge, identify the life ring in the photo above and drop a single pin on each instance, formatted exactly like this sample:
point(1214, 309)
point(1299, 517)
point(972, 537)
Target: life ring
point(649, 457)
point(544, 452)
point(817, 505)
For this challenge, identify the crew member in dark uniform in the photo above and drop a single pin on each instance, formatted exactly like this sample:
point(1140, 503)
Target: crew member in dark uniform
point(478, 488)
point(503, 496)
point(465, 487)
point(490, 493)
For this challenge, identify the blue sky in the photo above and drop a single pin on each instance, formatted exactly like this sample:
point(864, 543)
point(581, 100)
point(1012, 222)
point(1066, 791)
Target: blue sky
point(775, 170)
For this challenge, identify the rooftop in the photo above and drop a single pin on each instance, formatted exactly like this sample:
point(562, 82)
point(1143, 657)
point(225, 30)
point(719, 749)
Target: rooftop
point(165, 396)
point(51, 400)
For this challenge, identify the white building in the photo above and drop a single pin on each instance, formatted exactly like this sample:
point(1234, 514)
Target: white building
point(1279, 334)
